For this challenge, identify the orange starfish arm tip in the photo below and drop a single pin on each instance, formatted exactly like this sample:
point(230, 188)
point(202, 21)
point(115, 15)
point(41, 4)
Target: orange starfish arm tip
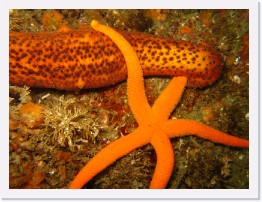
point(165, 160)
point(184, 127)
point(137, 98)
point(108, 155)
point(168, 99)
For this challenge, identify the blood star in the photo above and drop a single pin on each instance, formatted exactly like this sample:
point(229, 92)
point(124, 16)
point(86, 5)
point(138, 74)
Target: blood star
point(154, 126)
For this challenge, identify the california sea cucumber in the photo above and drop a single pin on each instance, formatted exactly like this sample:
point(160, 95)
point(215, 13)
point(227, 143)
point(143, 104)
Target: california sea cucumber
point(77, 59)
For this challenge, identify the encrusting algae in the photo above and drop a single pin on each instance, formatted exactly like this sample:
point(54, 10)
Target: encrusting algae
point(192, 154)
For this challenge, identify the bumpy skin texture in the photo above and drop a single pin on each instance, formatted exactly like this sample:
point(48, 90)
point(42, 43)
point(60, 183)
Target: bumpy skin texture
point(77, 59)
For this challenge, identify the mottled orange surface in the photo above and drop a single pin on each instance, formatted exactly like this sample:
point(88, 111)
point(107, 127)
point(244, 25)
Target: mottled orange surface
point(206, 18)
point(31, 114)
point(77, 59)
point(186, 30)
point(51, 20)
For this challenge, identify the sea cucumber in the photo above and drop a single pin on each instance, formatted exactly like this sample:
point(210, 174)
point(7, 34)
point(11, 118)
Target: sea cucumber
point(69, 59)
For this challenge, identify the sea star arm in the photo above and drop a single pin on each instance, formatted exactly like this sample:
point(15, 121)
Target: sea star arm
point(168, 99)
point(108, 155)
point(165, 160)
point(183, 127)
point(137, 98)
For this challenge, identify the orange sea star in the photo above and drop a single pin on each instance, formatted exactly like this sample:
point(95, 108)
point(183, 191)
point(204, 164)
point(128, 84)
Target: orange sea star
point(69, 59)
point(154, 125)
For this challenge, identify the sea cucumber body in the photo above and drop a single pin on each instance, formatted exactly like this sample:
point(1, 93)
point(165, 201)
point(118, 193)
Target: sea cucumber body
point(77, 59)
